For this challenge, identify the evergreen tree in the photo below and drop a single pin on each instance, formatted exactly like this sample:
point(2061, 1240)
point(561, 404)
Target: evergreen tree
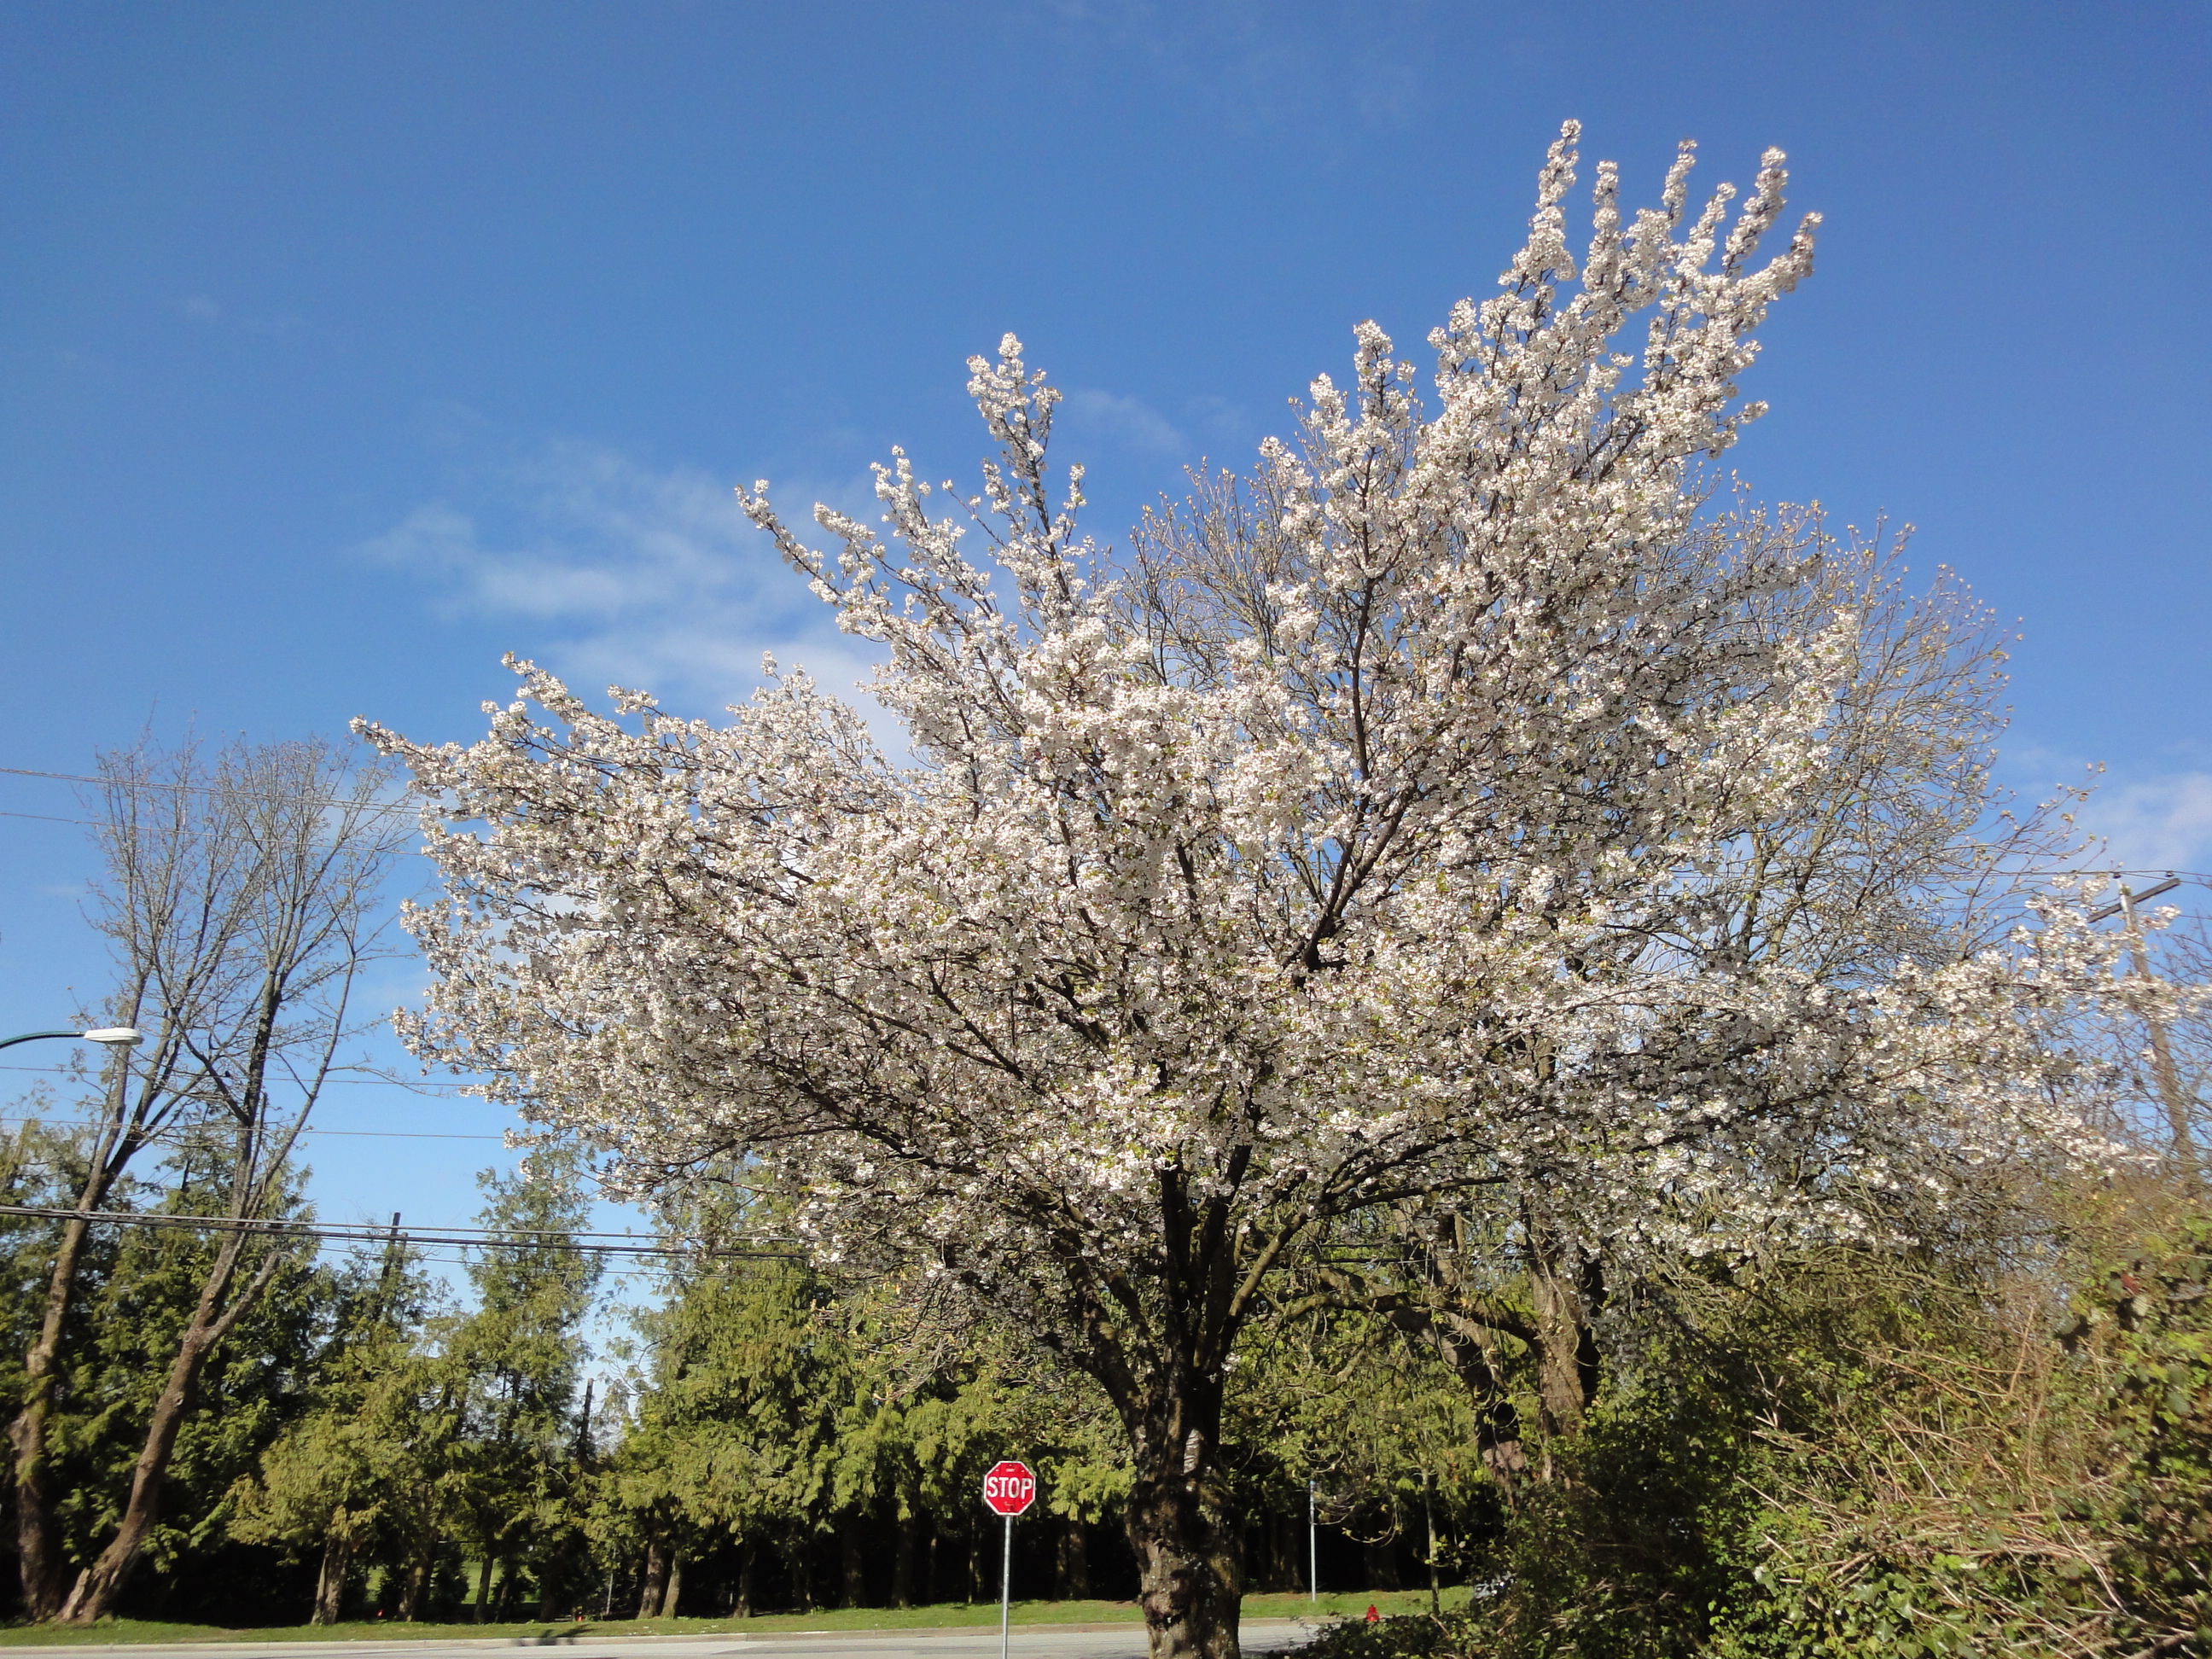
point(350, 1474)
point(516, 1370)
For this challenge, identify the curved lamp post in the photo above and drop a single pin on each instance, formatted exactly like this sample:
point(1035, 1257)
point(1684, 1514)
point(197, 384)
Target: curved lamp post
point(114, 1036)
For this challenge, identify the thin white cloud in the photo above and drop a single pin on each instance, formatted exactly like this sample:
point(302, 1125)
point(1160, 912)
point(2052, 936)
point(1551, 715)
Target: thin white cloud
point(618, 574)
point(1235, 56)
point(1130, 421)
point(2162, 822)
point(209, 312)
point(1119, 419)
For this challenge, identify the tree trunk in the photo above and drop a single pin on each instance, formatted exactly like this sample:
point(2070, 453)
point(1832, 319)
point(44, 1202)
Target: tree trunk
point(1072, 1570)
point(656, 1576)
point(853, 1567)
point(100, 1585)
point(745, 1555)
point(418, 1581)
point(38, 1558)
point(330, 1582)
point(802, 1575)
point(1379, 1559)
point(1268, 1574)
point(674, 1593)
point(1190, 1575)
point(909, 1530)
point(1565, 1294)
point(483, 1585)
point(38, 1554)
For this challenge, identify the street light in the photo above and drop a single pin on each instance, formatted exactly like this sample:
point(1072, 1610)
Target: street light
point(113, 1037)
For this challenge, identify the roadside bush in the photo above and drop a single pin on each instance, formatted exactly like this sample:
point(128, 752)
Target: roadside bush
point(1869, 1459)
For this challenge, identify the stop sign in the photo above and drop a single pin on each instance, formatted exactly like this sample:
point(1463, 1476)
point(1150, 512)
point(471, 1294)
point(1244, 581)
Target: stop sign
point(1009, 1487)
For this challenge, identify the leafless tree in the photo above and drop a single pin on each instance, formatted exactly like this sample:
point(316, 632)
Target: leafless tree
point(241, 897)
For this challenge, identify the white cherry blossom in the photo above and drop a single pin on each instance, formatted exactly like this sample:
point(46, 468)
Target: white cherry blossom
point(1318, 855)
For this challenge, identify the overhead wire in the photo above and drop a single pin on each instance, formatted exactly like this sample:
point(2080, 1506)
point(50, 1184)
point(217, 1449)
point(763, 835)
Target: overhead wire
point(198, 789)
point(368, 1134)
point(467, 1238)
point(436, 1091)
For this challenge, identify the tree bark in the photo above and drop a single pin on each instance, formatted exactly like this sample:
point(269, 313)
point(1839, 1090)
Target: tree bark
point(1181, 1518)
point(674, 1593)
point(1565, 1295)
point(1188, 1575)
point(1379, 1556)
point(903, 1552)
point(656, 1576)
point(38, 1558)
point(98, 1586)
point(745, 1557)
point(418, 1581)
point(1073, 1566)
point(853, 1563)
point(331, 1581)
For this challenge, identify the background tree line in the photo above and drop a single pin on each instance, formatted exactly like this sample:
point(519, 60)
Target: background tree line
point(365, 1444)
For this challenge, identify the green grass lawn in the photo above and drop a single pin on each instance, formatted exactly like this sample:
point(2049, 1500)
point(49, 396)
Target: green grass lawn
point(944, 1616)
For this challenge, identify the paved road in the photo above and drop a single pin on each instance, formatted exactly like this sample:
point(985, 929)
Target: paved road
point(968, 1642)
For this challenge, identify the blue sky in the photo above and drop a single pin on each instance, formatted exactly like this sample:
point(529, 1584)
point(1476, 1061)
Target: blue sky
point(347, 348)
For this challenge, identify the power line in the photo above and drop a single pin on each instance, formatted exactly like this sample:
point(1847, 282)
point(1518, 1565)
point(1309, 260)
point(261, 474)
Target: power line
point(467, 1238)
point(437, 1091)
point(195, 789)
point(371, 1135)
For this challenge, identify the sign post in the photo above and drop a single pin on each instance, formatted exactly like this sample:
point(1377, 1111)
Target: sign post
point(1313, 1547)
point(1009, 1488)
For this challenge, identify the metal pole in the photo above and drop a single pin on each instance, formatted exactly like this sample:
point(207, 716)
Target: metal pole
point(108, 1036)
point(33, 1036)
point(1006, 1588)
point(1429, 1511)
point(1313, 1547)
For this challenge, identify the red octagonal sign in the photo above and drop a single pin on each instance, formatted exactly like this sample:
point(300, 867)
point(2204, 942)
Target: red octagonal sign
point(1010, 1487)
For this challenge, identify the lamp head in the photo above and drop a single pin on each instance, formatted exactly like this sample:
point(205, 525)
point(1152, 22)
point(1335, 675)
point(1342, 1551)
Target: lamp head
point(115, 1037)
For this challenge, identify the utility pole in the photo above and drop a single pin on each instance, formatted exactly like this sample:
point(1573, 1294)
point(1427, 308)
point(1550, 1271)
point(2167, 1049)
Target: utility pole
point(2164, 1073)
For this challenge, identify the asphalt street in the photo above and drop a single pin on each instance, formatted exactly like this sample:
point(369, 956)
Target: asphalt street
point(968, 1642)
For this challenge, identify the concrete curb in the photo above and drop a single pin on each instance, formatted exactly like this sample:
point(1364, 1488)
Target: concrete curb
point(718, 1638)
